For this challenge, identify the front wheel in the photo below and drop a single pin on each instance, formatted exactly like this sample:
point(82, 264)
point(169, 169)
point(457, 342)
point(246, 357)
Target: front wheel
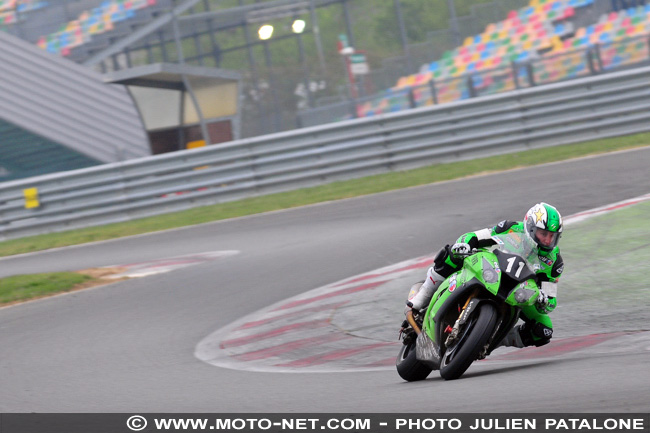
point(471, 341)
point(408, 367)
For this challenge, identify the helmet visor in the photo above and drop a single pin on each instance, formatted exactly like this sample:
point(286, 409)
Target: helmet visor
point(545, 238)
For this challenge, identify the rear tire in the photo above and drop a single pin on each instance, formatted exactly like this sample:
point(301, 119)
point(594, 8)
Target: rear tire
point(457, 358)
point(408, 367)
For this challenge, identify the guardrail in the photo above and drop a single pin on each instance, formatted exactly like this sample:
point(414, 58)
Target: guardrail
point(596, 107)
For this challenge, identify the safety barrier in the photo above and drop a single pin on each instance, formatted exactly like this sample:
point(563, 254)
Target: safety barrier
point(596, 107)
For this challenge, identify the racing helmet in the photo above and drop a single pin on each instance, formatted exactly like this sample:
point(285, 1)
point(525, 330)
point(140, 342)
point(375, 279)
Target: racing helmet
point(543, 225)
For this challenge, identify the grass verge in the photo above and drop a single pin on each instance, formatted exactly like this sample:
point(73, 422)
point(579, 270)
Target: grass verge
point(604, 286)
point(617, 289)
point(20, 288)
point(333, 191)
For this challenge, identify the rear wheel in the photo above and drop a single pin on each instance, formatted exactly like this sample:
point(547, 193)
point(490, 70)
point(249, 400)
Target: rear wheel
point(408, 367)
point(471, 341)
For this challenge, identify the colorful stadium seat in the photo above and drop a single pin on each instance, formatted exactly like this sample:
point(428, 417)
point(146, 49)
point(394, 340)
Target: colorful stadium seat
point(541, 33)
point(96, 21)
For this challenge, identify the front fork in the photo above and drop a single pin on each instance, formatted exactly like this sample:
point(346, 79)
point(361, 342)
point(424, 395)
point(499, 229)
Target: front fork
point(462, 318)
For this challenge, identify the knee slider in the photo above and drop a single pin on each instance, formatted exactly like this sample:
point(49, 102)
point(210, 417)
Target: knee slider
point(536, 334)
point(543, 334)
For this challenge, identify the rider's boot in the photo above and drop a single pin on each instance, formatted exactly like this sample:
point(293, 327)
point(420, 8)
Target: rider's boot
point(513, 338)
point(419, 298)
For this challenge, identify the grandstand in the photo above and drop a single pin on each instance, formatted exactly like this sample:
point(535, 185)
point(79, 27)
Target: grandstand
point(77, 28)
point(112, 35)
point(13, 11)
point(56, 115)
point(542, 42)
point(95, 29)
point(534, 45)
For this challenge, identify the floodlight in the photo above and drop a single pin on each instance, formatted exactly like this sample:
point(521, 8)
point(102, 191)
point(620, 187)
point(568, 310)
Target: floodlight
point(298, 26)
point(265, 32)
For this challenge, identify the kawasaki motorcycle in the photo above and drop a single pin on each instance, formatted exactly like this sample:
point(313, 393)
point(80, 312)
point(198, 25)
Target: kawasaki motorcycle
point(472, 310)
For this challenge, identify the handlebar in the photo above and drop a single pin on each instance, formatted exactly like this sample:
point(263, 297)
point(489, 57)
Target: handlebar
point(472, 252)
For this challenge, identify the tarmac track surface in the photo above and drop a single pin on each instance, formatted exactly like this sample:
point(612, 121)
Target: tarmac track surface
point(130, 346)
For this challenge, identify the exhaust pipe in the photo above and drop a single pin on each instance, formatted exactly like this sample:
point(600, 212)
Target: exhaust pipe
point(411, 320)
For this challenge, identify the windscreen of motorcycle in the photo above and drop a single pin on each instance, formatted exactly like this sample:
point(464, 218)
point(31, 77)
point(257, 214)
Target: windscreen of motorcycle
point(518, 244)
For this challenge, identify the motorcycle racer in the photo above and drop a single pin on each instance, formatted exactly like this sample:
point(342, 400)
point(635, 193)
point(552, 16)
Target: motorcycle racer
point(542, 225)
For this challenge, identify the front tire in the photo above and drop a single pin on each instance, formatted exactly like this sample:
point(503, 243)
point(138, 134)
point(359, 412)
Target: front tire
point(408, 367)
point(457, 358)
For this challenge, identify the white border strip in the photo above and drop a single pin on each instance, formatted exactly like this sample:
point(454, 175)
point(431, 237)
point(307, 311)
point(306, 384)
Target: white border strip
point(581, 216)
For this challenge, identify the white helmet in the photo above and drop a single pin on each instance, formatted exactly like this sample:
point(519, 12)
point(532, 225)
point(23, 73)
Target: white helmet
point(543, 224)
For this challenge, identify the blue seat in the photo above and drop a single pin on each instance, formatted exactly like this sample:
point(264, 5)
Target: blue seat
point(605, 37)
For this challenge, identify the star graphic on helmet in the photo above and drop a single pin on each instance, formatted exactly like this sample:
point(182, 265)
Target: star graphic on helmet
point(539, 214)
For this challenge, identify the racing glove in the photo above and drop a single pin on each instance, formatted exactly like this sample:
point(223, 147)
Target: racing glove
point(542, 300)
point(545, 304)
point(461, 249)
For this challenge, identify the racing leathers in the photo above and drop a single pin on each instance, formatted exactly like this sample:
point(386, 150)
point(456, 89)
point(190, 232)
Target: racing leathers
point(537, 329)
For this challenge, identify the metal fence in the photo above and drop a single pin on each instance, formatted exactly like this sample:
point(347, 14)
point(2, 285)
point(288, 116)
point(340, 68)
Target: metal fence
point(589, 108)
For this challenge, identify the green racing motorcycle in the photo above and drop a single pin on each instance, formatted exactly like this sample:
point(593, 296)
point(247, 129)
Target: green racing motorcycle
point(472, 310)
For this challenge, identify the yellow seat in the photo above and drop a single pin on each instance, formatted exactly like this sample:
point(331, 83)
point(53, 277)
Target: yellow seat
point(639, 29)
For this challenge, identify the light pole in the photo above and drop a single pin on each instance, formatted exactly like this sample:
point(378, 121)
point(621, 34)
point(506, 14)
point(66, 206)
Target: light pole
point(317, 39)
point(255, 80)
point(455, 30)
point(265, 32)
point(297, 28)
point(403, 35)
